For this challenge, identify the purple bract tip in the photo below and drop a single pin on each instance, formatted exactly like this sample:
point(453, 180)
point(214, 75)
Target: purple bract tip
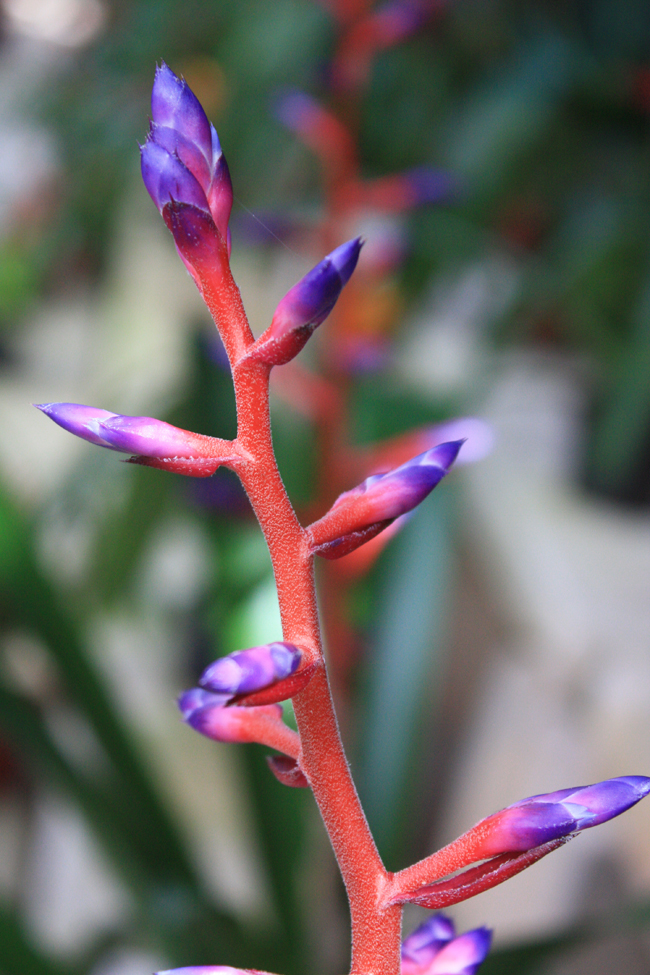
point(345, 257)
point(311, 300)
point(197, 698)
point(307, 304)
point(175, 106)
point(540, 819)
point(143, 436)
point(83, 421)
point(359, 514)
point(147, 437)
point(400, 490)
point(250, 670)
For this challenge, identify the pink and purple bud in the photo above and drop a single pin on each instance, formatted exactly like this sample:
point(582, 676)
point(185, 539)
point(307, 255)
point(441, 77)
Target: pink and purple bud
point(306, 305)
point(251, 670)
point(148, 439)
point(434, 949)
point(539, 819)
point(212, 715)
point(211, 718)
point(360, 514)
point(183, 166)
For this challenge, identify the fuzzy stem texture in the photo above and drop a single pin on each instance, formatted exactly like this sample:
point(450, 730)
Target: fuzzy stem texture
point(376, 924)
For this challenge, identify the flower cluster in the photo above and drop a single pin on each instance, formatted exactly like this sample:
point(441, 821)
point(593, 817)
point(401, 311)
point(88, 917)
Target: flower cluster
point(238, 696)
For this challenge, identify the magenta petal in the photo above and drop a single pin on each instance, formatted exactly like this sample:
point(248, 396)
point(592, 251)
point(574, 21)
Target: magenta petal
point(463, 955)
point(220, 195)
point(422, 945)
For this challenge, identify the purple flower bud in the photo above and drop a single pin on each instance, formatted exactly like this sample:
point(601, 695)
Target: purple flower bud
point(539, 819)
point(307, 304)
point(83, 421)
point(168, 180)
point(196, 698)
point(148, 437)
point(175, 106)
point(140, 435)
point(250, 670)
point(210, 717)
point(370, 507)
point(464, 955)
point(400, 490)
point(182, 160)
point(422, 945)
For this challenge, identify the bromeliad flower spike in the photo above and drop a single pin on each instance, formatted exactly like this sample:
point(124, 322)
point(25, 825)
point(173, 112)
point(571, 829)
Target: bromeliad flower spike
point(186, 175)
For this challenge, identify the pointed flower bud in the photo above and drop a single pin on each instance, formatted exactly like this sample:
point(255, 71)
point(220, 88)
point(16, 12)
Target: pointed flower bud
point(193, 700)
point(433, 949)
point(213, 716)
point(306, 305)
point(182, 160)
point(537, 820)
point(360, 514)
point(83, 421)
point(221, 723)
point(511, 840)
point(251, 670)
point(151, 441)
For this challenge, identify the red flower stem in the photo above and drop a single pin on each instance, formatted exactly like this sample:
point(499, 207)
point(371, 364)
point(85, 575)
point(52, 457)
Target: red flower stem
point(376, 925)
point(486, 875)
point(467, 849)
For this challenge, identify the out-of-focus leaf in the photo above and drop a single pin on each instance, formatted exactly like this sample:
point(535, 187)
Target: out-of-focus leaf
point(403, 666)
point(279, 814)
point(509, 116)
point(20, 957)
point(620, 447)
point(27, 599)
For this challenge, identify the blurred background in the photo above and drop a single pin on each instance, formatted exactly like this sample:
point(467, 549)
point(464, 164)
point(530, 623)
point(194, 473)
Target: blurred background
point(495, 155)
